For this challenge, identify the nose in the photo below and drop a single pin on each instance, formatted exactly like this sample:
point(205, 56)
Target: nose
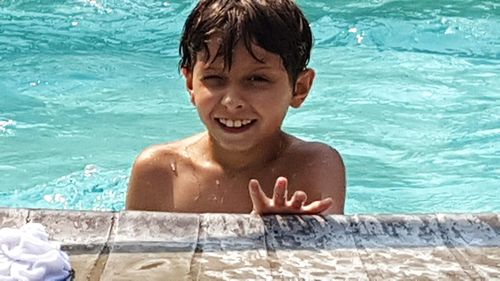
point(233, 99)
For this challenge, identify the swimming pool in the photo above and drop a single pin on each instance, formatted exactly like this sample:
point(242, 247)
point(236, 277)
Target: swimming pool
point(407, 91)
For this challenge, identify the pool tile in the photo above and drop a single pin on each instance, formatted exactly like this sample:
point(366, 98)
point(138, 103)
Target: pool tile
point(75, 229)
point(231, 247)
point(169, 246)
point(12, 217)
point(474, 239)
point(404, 247)
point(311, 248)
point(83, 235)
point(399, 231)
point(470, 229)
point(152, 246)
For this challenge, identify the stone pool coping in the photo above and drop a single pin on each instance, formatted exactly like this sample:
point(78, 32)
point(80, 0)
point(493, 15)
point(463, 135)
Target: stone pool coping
point(130, 245)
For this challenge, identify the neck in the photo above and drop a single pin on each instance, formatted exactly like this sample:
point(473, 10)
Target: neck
point(237, 160)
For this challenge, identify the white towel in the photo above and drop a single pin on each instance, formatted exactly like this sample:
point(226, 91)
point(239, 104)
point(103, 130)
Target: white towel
point(26, 254)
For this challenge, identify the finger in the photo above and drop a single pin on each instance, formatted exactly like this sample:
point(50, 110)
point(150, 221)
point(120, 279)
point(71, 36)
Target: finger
point(318, 206)
point(280, 192)
point(259, 198)
point(298, 199)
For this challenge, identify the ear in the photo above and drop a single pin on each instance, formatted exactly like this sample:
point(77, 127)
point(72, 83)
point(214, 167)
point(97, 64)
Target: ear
point(302, 87)
point(188, 75)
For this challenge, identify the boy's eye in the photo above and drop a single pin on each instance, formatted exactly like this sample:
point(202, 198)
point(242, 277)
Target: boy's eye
point(257, 78)
point(213, 80)
point(212, 77)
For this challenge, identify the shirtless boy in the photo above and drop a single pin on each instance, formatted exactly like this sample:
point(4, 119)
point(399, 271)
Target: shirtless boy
point(244, 63)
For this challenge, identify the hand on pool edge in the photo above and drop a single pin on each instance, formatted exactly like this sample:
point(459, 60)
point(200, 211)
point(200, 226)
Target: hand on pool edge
point(280, 204)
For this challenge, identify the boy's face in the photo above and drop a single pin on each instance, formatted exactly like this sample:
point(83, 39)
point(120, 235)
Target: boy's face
point(243, 106)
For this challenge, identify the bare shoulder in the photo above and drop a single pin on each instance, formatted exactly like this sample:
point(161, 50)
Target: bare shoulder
point(322, 170)
point(151, 180)
point(154, 157)
point(316, 153)
point(162, 156)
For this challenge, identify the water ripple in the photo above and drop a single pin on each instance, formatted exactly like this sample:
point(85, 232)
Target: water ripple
point(407, 91)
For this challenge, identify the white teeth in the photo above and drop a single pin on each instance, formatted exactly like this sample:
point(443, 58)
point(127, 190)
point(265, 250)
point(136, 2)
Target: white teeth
point(234, 123)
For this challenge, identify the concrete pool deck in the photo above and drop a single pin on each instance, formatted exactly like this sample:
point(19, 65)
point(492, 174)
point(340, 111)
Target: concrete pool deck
point(167, 246)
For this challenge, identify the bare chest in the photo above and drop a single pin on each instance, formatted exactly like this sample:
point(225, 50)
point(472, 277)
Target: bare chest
point(205, 192)
point(201, 189)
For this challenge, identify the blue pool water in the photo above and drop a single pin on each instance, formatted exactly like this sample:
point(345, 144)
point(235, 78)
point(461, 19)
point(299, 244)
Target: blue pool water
point(407, 91)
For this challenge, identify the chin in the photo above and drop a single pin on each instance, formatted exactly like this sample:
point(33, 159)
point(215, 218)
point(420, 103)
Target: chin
point(236, 146)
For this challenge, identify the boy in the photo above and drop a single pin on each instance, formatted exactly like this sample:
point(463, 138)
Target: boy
point(244, 62)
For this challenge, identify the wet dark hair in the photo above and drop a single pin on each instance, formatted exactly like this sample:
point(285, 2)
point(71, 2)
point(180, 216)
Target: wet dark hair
point(278, 26)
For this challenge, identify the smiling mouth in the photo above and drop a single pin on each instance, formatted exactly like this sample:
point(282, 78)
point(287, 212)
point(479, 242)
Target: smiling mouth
point(235, 124)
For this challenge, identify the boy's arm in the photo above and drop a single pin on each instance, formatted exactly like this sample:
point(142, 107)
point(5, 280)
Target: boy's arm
point(150, 185)
point(332, 180)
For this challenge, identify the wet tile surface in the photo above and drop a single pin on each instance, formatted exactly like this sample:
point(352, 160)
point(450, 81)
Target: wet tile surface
point(167, 246)
point(312, 247)
point(474, 240)
point(230, 247)
point(83, 235)
point(395, 246)
point(78, 231)
point(12, 217)
point(152, 246)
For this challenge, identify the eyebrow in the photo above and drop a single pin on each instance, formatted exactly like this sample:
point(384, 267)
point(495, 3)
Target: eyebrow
point(263, 67)
point(261, 62)
point(259, 67)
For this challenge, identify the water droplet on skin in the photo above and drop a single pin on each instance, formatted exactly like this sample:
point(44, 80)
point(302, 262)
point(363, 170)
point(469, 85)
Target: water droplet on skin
point(173, 166)
point(221, 198)
point(186, 152)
